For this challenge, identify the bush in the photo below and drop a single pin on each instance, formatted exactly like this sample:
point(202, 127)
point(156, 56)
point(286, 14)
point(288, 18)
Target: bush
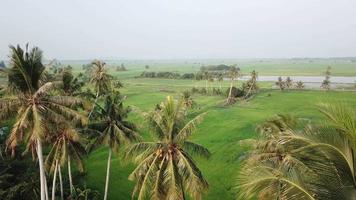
point(188, 76)
point(235, 92)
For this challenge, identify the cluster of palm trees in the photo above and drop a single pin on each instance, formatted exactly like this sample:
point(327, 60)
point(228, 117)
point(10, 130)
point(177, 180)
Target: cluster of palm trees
point(294, 159)
point(58, 128)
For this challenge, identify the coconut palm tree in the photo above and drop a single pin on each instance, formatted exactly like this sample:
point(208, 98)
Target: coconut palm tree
point(220, 78)
point(101, 80)
point(233, 74)
point(67, 145)
point(188, 99)
point(326, 82)
point(211, 80)
point(316, 162)
point(299, 85)
point(165, 168)
point(33, 105)
point(281, 84)
point(251, 84)
point(206, 76)
point(288, 82)
point(112, 129)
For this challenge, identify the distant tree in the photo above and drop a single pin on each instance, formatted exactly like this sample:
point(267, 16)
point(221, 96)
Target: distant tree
point(235, 92)
point(281, 84)
point(220, 78)
point(188, 99)
point(147, 66)
point(121, 67)
point(188, 76)
point(251, 85)
point(211, 80)
point(326, 82)
point(101, 80)
point(206, 76)
point(299, 85)
point(233, 74)
point(288, 82)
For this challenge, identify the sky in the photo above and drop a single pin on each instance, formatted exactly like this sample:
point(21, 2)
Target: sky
point(180, 29)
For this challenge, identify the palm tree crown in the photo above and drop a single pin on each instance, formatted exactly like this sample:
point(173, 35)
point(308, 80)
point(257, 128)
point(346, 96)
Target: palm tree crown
point(315, 162)
point(100, 78)
point(34, 105)
point(165, 169)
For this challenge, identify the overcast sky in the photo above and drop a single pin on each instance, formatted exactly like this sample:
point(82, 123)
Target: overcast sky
point(154, 29)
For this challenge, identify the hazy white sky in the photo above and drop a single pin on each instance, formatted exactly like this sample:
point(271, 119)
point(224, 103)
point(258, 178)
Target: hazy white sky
point(142, 29)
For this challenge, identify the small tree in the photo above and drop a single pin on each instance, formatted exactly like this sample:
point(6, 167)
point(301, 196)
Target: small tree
point(288, 83)
point(220, 78)
point(326, 82)
point(147, 67)
point(281, 84)
point(233, 74)
point(299, 85)
point(251, 84)
point(188, 99)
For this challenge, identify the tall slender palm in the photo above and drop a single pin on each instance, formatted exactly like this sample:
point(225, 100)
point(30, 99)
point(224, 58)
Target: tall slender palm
point(33, 104)
point(316, 162)
point(281, 84)
point(113, 128)
point(288, 82)
point(165, 169)
point(233, 74)
point(67, 145)
point(206, 76)
point(211, 80)
point(326, 82)
point(101, 80)
point(251, 84)
point(220, 78)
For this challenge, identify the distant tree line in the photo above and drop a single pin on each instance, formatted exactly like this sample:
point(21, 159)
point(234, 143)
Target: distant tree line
point(220, 67)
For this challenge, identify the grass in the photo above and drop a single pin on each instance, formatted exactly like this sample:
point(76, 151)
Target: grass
point(221, 130)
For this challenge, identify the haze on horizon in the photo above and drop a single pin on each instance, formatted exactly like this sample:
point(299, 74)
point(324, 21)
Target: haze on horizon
point(161, 29)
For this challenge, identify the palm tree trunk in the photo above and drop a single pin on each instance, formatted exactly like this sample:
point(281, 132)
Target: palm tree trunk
point(220, 85)
point(249, 90)
point(60, 181)
point(231, 84)
point(107, 175)
point(40, 163)
point(46, 188)
point(54, 181)
point(92, 109)
point(70, 177)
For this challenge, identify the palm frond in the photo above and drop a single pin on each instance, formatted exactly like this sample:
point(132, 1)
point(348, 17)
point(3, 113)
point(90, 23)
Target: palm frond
point(189, 128)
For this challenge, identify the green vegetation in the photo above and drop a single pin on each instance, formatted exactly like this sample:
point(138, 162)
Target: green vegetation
point(74, 118)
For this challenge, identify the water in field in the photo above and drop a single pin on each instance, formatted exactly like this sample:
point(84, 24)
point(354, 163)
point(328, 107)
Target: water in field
point(312, 81)
point(309, 79)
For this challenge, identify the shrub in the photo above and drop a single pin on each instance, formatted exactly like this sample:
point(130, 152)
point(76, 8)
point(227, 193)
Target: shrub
point(235, 92)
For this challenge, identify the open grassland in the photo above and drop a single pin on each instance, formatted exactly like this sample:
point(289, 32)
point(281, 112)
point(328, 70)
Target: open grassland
point(220, 132)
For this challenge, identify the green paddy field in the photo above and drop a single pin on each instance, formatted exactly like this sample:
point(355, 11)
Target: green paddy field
point(223, 127)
